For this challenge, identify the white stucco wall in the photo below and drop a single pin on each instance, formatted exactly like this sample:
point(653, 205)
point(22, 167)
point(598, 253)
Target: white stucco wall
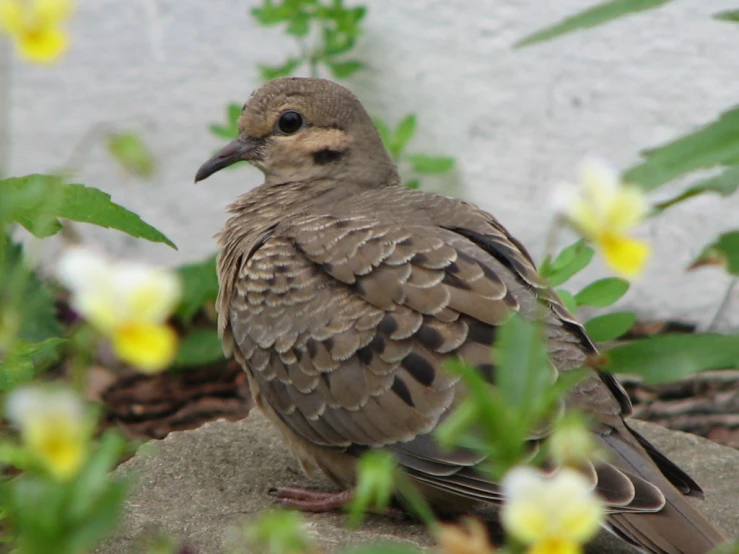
point(517, 121)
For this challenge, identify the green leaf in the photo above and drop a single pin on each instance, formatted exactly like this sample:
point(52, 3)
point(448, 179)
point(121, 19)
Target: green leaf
point(27, 302)
point(413, 184)
point(335, 43)
point(198, 348)
point(44, 198)
point(729, 15)
point(375, 484)
point(568, 300)
point(341, 70)
point(591, 17)
point(199, 287)
point(609, 326)
point(603, 292)
point(275, 71)
point(18, 363)
point(279, 531)
point(566, 265)
point(269, 14)
point(421, 163)
point(564, 258)
point(669, 357)
point(221, 131)
point(723, 252)
point(299, 25)
point(724, 184)
point(712, 145)
point(403, 134)
point(132, 154)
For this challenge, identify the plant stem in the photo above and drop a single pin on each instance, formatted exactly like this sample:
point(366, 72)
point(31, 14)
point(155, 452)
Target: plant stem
point(723, 306)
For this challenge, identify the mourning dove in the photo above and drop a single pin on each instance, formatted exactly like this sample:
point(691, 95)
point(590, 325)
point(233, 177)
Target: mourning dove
point(343, 293)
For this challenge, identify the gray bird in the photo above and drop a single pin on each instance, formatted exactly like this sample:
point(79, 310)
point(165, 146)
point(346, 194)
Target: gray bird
point(342, 293)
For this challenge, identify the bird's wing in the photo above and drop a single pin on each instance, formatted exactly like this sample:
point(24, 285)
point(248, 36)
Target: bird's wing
point(345, 324)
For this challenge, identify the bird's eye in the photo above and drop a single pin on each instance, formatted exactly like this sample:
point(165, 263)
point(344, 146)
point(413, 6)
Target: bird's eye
point(290, 122)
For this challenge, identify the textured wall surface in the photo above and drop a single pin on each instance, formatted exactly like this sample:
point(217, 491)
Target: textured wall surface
point(517, 121)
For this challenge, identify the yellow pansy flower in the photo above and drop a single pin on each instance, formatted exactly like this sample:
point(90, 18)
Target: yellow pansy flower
point(35, 27)
point(605, 211)
point(53, 427)
point(554, 514)
point(127, 302)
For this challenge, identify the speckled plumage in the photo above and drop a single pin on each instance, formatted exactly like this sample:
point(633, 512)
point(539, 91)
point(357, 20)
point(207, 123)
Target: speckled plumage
point(342, 293)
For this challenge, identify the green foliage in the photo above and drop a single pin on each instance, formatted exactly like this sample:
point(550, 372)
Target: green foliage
point(19, 361)
point(199, 347)
point(279, 532)
point(199, 287)
point(713, 145)
point(37, 201)
point(569, 262)
point(602, 293)
point(609, 326)
point(132, 154)
point(729, 15)
point(498, 418)
point(665, 358)
point(723, 252)
point(231, 128)
point(334, 27)
point(44, 515)
point(591, 17)
point(375, 485)
point(724, 184)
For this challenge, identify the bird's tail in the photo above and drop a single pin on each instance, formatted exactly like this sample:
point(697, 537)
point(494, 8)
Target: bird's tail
point(678, 528)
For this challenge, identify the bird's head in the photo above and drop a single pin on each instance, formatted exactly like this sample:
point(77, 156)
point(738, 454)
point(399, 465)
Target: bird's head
point(297, 129)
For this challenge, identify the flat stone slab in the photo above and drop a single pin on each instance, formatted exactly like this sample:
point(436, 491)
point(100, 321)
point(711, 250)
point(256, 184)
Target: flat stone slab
point(201, 486)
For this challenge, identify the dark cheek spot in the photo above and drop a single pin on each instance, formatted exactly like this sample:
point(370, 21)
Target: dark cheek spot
point(327, 156)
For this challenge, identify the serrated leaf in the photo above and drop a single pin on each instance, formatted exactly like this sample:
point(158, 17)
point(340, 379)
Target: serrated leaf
point(270, 72)
point(33, 302)
point(724, 184)
point(609, 326)
point(199, 347)
point(18, 363)
point(669, 357)
point(199, 287)
point(729, 15)
point(583, 255)
point(421, 163)
point(591, 17)
point(341, 70)
point(132, 154)
point(712, 145)
point(602, 293)
point(51, 199)
point(403, 134)
point(723, 252)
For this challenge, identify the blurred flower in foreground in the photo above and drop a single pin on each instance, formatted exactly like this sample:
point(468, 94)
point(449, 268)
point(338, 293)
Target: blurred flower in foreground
point(551, 515)
point(604, 210)
point(571, 443)
point(35, 27)
point(127, 302)
point(470, 536)
point(53, 427)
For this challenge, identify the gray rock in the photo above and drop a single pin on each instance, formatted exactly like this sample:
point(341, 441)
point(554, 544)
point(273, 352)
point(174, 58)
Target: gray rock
point(202, 485)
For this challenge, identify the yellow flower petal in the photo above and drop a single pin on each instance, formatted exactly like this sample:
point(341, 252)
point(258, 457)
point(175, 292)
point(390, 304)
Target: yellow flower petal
point(42, 44)
point(146, 293)
point(623, 254)
point(53, 428)
point(628, 208)
point(555, 546)
point(11, 16)
point(150, 347)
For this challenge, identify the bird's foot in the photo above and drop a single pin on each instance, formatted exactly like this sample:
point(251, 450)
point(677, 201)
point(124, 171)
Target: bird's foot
point(308, 500)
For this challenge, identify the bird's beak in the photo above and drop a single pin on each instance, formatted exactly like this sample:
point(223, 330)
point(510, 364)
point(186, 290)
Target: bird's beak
point(246, 149)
